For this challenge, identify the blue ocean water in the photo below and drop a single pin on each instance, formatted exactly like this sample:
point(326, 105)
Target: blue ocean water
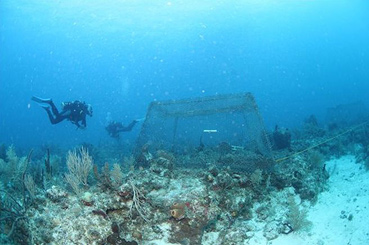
point(297, 57)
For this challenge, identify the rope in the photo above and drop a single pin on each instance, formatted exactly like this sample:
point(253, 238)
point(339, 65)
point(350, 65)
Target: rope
point(323, 142)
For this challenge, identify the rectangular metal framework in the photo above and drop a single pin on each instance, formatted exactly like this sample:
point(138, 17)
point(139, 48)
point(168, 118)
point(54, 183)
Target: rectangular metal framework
point(179, 124)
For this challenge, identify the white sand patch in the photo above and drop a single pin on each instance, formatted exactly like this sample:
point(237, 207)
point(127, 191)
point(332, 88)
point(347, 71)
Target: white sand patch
point(347, 197)
point(210, 238)
point(165, 228)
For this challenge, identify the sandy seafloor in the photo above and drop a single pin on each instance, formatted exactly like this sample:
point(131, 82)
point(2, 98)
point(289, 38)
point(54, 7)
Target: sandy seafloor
point(348, 193)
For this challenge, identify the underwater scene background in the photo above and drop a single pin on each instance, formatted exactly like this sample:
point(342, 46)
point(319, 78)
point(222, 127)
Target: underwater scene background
point(304, 62)
point(296, 57)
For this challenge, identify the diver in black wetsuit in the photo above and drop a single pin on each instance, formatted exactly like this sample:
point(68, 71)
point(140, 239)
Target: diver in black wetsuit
point(114, 128)
point(74, 111)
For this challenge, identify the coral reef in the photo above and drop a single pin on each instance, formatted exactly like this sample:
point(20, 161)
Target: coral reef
point(214, 195)
point(162, 202)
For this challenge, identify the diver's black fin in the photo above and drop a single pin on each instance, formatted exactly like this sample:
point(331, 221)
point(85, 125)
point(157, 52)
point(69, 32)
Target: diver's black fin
point(40, 100)
point(45, 106)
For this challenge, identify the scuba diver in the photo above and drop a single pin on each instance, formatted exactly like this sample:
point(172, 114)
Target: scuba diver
point(74, 111)
point(114, 128)
point(281, 138)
